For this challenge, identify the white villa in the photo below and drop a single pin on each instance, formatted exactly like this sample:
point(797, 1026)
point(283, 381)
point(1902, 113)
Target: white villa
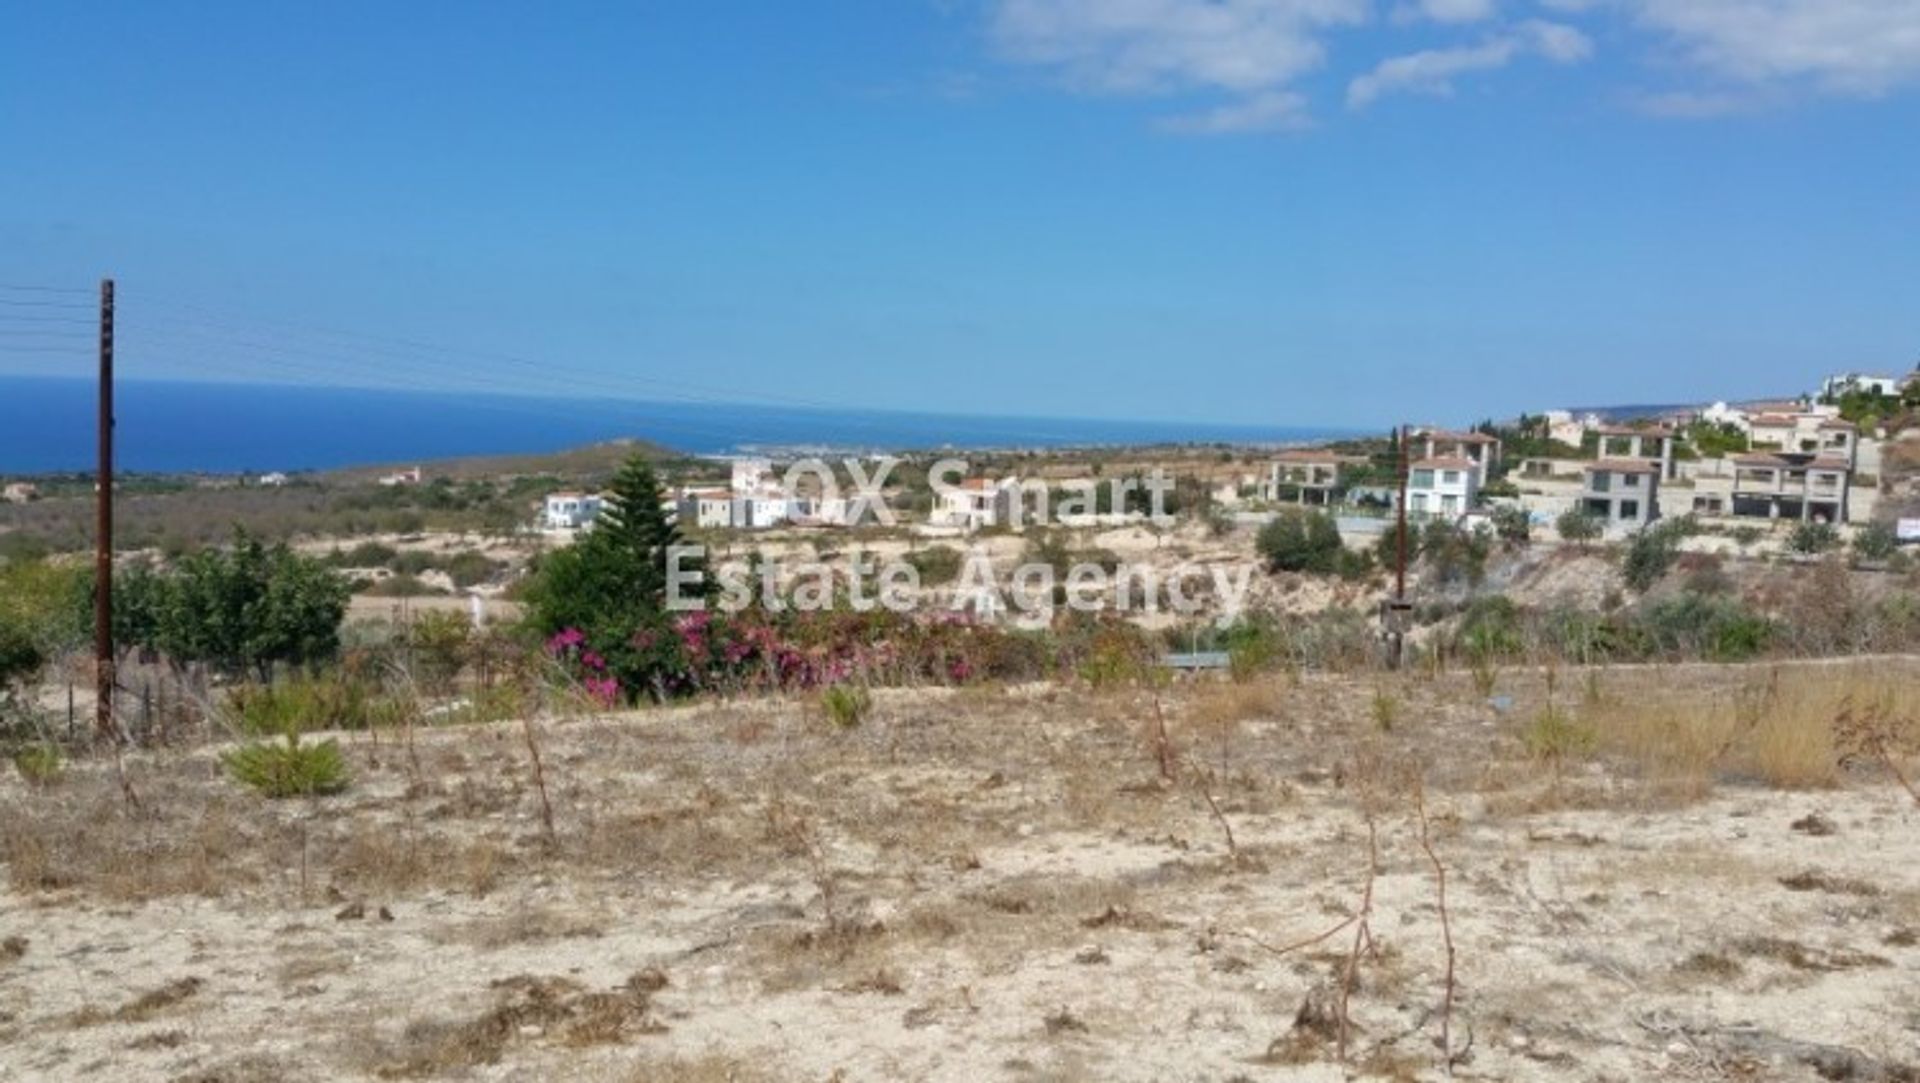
point(976, 503)
point(706, 508)
point(570, 510)
point(1481, 451)
point(1445, 487)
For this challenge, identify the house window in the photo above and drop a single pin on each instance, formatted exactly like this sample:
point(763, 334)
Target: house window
point(1631, 481)
point(1601, 482)
point(1419, 502)
point(1450, 477)
point(1423, 479)
point(1629, 509)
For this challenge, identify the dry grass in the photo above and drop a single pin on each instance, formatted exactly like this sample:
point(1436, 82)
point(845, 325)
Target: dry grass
point(1776, 729)
point(918, 896)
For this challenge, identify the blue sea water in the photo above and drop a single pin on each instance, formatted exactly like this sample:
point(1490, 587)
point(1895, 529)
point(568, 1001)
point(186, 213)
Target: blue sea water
point(47, 424)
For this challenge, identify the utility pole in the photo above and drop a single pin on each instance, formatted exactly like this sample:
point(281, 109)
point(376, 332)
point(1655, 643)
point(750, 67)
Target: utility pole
point(103, 531)
point(1397, 609)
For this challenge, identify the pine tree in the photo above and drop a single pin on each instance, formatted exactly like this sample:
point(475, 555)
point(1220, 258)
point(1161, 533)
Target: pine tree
point(612, 585)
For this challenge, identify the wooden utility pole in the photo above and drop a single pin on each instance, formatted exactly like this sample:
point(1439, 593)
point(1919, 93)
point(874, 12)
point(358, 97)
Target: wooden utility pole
point(1397, 610)
point(103, 531)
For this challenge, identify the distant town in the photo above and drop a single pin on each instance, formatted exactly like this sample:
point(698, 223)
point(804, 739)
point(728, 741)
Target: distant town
point(1817, 458)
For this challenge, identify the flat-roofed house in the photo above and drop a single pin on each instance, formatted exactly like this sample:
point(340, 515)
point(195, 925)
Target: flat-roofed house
point(1803, 486)
point(1649, 443)
point(1623, 493)
point(710, 509)
point(1445, 487)
point(1479, 449)
point(1311, 477)
point(567, 510)
point(976, 503)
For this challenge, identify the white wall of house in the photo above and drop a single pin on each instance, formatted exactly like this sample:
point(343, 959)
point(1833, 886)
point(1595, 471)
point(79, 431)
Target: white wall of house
point(1442, 489)
point(570, 511)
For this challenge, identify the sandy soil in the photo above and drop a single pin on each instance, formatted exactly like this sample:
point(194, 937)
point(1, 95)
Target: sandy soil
point(988, 884)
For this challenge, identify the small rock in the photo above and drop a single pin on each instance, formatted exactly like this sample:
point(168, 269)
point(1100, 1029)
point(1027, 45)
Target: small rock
point(1815, 824)
point(386, 914)
point(353, 911)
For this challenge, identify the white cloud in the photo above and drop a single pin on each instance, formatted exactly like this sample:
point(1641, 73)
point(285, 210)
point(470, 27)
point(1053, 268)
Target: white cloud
point(1273, 110)
point(1695, 104)
point(1446, 11)
point(1249, 50)
point(1432, 71)
point(1854, 47)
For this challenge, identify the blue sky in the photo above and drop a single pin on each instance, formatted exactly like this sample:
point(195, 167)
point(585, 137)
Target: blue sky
point(1342, 212)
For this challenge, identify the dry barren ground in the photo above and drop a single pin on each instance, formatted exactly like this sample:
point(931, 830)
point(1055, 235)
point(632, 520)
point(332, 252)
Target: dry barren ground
point(996, 885)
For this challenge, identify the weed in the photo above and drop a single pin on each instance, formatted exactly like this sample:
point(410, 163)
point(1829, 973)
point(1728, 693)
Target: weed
point(846, 705)
point(39, 764)
point(1386, 710)
point(289, 769)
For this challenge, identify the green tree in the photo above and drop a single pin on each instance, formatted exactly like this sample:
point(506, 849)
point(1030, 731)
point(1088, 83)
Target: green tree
point(1513, 524)
point(612, 585)
point(1300, 541)
point(1578, 527)
point(241, 609)
point(1649, 555)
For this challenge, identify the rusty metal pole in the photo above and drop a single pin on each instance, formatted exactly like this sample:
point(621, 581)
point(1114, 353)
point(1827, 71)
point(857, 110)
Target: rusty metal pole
point(103, 530)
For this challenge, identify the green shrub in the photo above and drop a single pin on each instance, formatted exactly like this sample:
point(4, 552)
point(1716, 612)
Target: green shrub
point(39, 764)
point(1577, 526)
point(470, 569)
point(1649, 555)
point(1746, 536)
point(438, 642)
point(1490, 628)
point(1555, 736)
point(402, 585)
point(306, 704)
point(1810, 538)
point(1875, 542)
point(289, 768)
point(1454, 555)
point(1300, 541)
point(937, 564)
point(846, 705)
point(1512, 524)
point(1386, 710)
point(1697, 626)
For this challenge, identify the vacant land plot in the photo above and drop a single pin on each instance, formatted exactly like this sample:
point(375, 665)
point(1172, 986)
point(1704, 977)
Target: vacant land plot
point(1690, 873)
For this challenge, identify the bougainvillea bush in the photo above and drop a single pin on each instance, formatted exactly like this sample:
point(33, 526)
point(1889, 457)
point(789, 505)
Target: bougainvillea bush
point(756, 651)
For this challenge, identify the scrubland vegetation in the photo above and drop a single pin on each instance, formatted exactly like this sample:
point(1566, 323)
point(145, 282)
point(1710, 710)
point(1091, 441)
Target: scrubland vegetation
point(1662, 829)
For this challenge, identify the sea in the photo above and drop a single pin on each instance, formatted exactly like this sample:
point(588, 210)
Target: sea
point(47, 426)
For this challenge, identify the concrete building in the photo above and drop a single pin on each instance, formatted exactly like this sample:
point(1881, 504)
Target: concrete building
point(751, 474)
point(1445, 487)
point(976, 503)
point(1653, 444)
point(1479, 449)
point(20, 492)
point(1623, 493)
point(1309, 477)
point(1802, 486)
